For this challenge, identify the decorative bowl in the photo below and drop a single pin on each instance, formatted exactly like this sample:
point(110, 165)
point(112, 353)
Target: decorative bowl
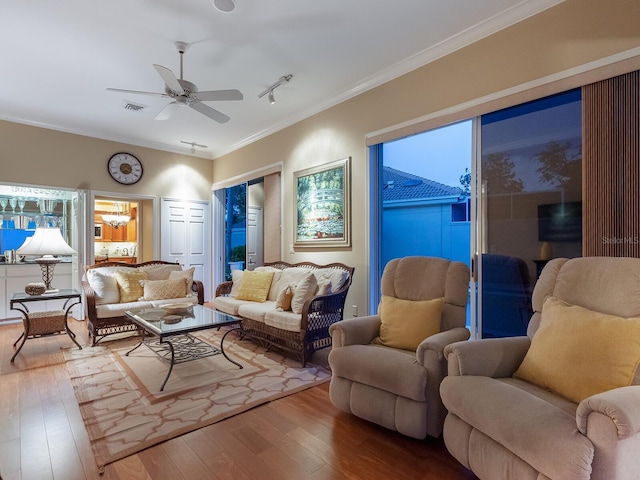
point(176, 307)
point(171, 319)
point(35, 288)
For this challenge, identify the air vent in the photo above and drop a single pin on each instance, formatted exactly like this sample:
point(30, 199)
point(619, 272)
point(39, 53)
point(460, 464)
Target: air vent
point(134, 107)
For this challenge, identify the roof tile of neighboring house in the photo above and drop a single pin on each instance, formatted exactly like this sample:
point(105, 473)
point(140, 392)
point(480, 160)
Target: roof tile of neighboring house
point(407, 186)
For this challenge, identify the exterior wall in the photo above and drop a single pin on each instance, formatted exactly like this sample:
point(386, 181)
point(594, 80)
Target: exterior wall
point(566, 36)
point(432, 232)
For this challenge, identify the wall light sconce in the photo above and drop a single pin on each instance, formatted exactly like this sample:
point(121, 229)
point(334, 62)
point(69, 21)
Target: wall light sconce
point(269, 91)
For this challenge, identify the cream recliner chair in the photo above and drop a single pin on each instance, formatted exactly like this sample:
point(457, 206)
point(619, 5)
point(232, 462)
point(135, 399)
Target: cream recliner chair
point(553, 404)
point(394, 387)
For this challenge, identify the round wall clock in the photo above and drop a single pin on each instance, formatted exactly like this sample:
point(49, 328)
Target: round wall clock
point(125, 168)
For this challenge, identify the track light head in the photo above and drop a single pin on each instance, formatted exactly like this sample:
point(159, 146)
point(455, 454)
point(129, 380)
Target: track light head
point(269, 91)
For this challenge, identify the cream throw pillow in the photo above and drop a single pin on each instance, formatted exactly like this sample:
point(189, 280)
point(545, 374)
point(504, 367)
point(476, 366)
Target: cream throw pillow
point(406, 323)
point(236, 277)
point(186, 274)
point(105, 285)
point(283, 302)
point(163, 289)
point(305, 290)
point(577, 352)
point(255, 286)
point(129, 285)
point(160, 271)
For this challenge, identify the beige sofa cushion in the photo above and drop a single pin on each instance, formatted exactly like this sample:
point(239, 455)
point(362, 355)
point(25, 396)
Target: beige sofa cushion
point(285, 320)
point(163, 289)
point(283, 302)
point(256, 310)
point(159, 272)
point(104, 284)
point(305, 289)
point(186, 274)
point(228, 304)
point(236, 278)
point(276, 287)
point(577, 352)
point(335, 277)
point(129, 284)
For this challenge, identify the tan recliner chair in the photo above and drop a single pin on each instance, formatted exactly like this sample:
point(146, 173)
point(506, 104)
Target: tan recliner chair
point(392, 387)
point(561, 416)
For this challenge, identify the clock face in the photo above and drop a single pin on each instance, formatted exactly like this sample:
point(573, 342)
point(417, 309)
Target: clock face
point(125, 168)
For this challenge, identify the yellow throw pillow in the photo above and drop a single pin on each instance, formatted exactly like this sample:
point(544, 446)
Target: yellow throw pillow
point(255, 286)
point(283, 302)
point(577, 352)
point(129, 285)
point(406, 323)
point(164, 289)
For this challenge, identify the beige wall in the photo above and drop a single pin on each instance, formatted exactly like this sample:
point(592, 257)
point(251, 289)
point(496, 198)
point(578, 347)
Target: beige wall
point(40, 156)
point(569, 35)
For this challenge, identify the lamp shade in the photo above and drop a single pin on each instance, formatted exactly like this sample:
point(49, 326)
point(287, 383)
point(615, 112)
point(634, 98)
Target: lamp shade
point(46, 241)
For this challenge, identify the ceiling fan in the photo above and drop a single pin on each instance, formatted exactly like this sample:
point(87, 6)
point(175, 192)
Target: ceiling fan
point(185, 93)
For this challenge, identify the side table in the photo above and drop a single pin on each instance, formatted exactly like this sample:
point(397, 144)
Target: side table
point(37, 324)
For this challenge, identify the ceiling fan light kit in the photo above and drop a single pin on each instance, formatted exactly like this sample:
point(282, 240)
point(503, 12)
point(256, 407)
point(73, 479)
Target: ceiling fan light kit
point(269, 91)
point(186, 94)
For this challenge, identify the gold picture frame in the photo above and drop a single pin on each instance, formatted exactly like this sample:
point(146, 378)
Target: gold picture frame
point(322, 207)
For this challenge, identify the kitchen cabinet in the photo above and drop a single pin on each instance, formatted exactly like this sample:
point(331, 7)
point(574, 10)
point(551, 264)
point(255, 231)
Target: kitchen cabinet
point(125, 233)
point(123, 259)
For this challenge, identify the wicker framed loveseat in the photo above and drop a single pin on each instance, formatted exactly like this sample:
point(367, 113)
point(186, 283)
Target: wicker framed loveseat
point(302, 333)
point(103, 306)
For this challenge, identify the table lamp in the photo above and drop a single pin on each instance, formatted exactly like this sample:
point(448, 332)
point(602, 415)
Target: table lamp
point(46, 242)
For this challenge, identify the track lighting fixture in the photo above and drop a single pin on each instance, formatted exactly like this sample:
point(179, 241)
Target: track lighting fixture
point(269, 91)
point(193, 145)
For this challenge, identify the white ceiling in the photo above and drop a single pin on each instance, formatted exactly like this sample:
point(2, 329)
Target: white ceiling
point(58, 58)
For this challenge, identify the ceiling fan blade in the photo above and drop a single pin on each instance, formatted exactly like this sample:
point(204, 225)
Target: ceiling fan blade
point(167, 111)
point(219, 95)
point(169, 78)
point(155, 94)
point(212, 113)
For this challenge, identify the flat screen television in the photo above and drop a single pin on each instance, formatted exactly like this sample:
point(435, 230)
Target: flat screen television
point(560, 222)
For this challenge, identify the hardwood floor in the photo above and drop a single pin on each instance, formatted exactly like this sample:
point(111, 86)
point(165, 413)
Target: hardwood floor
point(300, 437)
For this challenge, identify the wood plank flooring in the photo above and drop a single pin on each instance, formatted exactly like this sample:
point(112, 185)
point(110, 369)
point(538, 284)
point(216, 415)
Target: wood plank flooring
point(300, 437)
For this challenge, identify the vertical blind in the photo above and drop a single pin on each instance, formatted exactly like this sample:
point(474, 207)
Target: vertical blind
point(611, 167)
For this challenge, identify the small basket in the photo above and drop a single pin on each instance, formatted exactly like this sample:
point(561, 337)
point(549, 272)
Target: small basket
point(35, 288)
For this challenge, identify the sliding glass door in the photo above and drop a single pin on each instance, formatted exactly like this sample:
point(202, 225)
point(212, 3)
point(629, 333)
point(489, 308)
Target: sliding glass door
point(503, 189)
point(530, 192)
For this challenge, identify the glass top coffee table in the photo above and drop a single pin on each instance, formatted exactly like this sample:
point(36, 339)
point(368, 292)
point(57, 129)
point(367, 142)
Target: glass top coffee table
point(170, 327)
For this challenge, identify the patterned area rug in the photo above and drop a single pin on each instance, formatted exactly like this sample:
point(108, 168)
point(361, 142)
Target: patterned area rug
point(125, 412)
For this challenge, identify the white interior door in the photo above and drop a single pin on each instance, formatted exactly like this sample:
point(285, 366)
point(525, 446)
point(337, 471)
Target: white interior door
point(255, 235)
point(186, 237)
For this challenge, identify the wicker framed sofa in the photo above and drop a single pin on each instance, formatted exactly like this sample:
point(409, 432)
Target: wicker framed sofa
point(110, 288)
point(289, 306)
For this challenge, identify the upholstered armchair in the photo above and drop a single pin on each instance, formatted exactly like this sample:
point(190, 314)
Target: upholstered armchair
point(563, 402)
point(387, 368)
